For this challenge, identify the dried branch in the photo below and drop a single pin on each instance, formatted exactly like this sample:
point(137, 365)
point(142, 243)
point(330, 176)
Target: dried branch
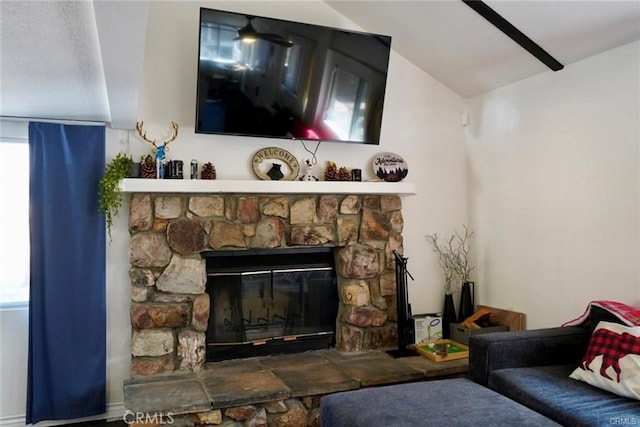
point(446, 260)
point(464, 252)
point(454, 258)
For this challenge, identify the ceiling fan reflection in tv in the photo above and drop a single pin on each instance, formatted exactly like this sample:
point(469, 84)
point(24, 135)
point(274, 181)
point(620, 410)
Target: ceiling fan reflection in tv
point(248, 34)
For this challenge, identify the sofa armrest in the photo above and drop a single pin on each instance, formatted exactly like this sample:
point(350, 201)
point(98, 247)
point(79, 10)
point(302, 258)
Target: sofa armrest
point(537, 347)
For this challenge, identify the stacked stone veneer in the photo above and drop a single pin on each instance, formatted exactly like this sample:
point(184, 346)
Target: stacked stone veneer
point(169, 307)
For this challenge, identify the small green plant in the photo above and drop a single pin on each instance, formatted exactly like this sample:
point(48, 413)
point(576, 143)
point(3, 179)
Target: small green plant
point(110, 197)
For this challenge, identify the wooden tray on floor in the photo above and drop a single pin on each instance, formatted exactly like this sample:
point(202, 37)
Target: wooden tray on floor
point(455, 350)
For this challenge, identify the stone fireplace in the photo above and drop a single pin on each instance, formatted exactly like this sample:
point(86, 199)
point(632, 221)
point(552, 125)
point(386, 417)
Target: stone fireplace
point(170, 308)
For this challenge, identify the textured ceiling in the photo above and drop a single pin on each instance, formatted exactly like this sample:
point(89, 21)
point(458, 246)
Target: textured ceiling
point(51, 42)
point(71, 60)
point(83, 60)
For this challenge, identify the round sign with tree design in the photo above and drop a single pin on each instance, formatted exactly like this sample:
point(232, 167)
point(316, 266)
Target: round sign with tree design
point(390, 167)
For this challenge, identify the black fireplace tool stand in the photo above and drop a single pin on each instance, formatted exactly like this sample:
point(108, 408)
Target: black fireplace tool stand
point(405, 323)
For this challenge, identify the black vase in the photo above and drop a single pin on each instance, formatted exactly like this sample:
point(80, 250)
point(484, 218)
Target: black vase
point(448, 316)
point(134, 172)
point(466, 301)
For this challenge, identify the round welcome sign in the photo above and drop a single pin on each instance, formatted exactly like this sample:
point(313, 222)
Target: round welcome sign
point(268, 164)
point(390, 167)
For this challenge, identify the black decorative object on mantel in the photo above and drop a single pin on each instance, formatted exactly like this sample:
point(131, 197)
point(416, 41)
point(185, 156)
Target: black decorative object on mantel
point(404, 309)
point(448, 316)
point(275, 173)
point(467, 301)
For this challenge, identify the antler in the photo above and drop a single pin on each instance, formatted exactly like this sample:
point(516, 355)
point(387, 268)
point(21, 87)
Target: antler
point(143, 135)
point(174, 133)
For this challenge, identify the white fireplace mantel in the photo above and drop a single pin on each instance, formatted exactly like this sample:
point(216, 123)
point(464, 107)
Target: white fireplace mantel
point(140, 185)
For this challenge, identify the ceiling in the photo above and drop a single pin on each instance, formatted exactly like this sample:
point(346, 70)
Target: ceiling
point(458, 47)
point(82, 60)
point(73, 60)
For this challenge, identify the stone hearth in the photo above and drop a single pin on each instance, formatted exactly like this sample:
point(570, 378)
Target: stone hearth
point(170, 309)
point(274, 391)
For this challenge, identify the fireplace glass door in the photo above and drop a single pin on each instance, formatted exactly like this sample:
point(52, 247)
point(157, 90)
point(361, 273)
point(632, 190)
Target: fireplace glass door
point(269, 311)
point(256, 306)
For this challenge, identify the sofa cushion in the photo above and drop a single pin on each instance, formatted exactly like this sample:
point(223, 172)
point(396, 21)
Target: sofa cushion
point(549, 391)
point(612, 360)
point(452, 402)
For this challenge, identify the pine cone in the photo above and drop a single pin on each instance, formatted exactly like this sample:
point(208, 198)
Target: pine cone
point(148, 167)
point(208, 171)
point(344, 174)
point(331, 172)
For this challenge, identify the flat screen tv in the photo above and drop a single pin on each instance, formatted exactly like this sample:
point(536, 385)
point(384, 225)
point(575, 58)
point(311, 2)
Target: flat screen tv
point(268, 77)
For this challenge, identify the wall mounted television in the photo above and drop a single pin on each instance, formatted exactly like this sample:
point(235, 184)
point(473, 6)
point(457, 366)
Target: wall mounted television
point(268, 77)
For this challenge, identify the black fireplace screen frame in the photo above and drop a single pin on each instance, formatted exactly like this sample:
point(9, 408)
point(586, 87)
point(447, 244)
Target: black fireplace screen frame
point(268, 277)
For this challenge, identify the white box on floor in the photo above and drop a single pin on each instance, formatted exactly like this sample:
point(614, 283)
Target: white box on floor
point(427, 327)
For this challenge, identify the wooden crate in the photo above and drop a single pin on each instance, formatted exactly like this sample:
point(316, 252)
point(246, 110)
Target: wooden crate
point(456, 350)
point(512, 319)
point(461, 334)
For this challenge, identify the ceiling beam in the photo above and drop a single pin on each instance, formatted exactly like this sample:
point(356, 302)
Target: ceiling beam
point(515, 34)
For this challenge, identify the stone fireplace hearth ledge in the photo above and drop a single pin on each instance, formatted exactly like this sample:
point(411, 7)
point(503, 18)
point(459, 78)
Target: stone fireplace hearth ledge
point(274, 390)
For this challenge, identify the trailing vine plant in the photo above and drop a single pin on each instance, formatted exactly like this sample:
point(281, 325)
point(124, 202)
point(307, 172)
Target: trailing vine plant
point(110, 197)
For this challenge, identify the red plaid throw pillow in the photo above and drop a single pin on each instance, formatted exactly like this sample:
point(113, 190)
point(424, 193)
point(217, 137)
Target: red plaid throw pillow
point(612, 360)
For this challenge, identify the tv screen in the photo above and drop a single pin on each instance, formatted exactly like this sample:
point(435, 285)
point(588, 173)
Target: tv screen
point(268, 77)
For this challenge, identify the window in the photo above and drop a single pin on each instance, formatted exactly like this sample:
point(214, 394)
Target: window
point(351, 94)
point(296, 69)
point(14, 223)
point(292, 64)
point(217, 43)
point(347, 105)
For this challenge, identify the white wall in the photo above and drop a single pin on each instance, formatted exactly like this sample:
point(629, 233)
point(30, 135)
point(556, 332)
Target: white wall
point(554, 188)
point(14, 327)
point(421, 123)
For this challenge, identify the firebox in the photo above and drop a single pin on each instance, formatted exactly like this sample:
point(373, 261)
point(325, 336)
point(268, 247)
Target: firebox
point(270, 301)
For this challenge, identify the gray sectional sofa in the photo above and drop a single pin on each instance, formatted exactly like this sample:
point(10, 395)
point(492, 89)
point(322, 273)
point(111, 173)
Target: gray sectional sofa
point(533, 367)
point(515, 378)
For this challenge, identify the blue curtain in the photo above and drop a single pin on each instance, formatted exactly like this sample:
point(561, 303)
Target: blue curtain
point(67, 307)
